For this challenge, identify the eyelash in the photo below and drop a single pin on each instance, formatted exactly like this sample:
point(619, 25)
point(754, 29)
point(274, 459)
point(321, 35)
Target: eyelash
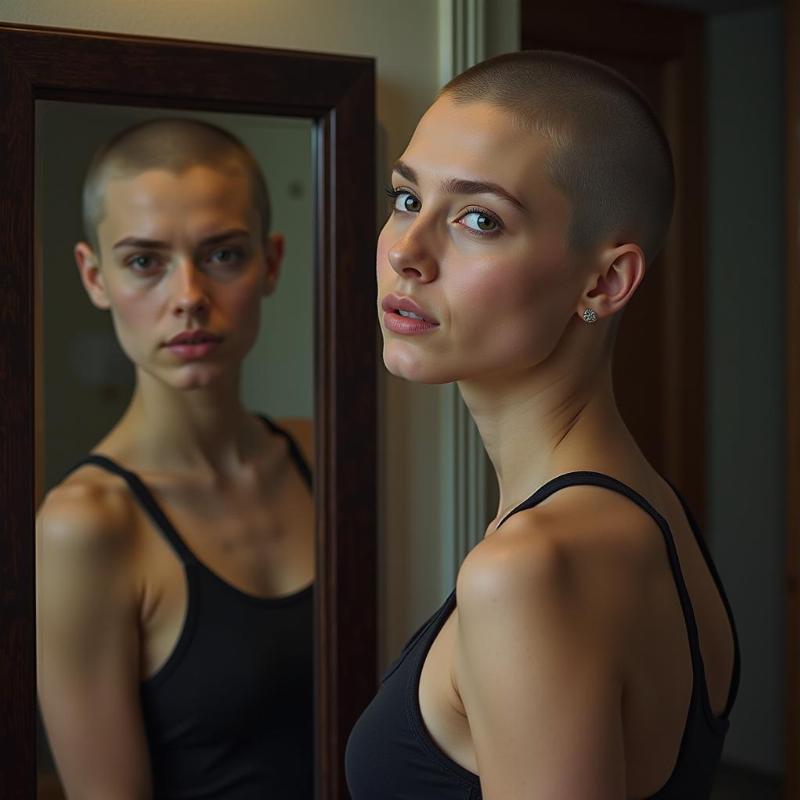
point(393, 193)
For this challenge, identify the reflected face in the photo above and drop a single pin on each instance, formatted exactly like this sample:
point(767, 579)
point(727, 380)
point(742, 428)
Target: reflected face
point(476, 244)
point(183, 267)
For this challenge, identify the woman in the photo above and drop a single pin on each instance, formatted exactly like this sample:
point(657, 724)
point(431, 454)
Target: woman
point(591, 653)
point(175, 563)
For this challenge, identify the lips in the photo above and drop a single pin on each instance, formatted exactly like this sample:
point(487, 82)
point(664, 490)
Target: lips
point(393, 303)
point(193, 337)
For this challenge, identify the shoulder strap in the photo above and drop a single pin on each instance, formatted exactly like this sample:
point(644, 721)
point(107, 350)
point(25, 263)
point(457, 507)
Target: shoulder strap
point(586, 478)
point(701, 543)
point(294, 449)
point(145, 498)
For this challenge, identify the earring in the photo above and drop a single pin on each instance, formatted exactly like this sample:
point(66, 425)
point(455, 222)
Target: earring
point(590, 315)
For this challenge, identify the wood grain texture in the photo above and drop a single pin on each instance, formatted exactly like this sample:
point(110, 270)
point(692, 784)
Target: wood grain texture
point(337, 92)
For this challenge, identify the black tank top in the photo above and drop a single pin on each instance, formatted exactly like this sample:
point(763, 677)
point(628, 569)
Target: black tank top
point(230, 715)
point(390, 754)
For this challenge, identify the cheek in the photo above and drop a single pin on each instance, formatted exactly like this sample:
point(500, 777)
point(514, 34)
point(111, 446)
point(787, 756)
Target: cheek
point(511, 306)
point(132, 311)
point(134, 322)
point(245, 296)
point(242, 311)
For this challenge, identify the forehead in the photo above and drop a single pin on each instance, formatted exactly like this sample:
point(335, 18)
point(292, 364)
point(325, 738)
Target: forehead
point(201, 190)
point(478, 141)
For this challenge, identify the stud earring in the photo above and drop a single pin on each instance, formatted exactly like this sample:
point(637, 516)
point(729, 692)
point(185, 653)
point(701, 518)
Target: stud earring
point(590, 315)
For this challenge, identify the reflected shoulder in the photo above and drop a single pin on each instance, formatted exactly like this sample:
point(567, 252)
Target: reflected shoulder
point(87, 513)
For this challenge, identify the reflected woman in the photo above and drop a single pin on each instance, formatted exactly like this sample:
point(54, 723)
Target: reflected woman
point(175, 563)
point(588, 651)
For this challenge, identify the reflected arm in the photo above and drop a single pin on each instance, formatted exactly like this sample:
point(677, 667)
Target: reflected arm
point(88, 645)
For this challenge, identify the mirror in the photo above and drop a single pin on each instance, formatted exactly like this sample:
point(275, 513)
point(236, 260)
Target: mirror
point(82, 364)
point(322, 108)
point(87, 381)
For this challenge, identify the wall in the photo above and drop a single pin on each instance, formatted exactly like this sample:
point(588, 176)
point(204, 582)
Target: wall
point(746, 363)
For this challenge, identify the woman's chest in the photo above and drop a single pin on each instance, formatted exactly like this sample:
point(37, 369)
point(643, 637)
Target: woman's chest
point(240, 547)
point(440, 704)
point(259, 540)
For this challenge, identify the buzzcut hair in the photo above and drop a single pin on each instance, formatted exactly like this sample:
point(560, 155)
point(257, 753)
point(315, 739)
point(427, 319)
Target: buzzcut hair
point(174, 144)
point(610, 154)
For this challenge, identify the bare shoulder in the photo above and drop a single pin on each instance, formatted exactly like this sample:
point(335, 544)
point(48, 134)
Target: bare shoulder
point(558, 563)
point(89, 513)
point(548, 607)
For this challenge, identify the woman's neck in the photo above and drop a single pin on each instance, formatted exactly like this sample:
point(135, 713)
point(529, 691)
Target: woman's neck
point(205, 430)
point(544, 422)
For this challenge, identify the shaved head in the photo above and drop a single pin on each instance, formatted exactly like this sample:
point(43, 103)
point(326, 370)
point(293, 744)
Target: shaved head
point(175, 145)
point(609, 155)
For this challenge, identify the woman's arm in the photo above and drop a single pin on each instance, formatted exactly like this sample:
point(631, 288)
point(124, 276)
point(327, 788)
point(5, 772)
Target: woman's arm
point(542, 624)
point(88, 644)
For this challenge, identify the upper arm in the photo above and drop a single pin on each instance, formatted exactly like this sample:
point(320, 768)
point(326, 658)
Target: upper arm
point(538, 668)
point(88, 646)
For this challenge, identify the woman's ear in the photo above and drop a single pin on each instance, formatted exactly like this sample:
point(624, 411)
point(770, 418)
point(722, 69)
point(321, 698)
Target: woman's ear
point(91, 277)
point(273, 258)
point(610, 289)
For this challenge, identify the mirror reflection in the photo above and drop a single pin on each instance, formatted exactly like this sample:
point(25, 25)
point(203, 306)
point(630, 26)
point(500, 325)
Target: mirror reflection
point(175, 531)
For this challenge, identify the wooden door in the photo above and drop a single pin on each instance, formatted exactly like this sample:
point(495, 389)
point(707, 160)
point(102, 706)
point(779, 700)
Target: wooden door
point(659, 364)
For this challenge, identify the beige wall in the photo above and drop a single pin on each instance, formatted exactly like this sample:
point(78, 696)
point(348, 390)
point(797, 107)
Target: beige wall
point(401, 36)
point(404, 38)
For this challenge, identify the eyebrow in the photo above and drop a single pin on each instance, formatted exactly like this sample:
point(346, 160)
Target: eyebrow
point(461, 185)
point(156, 244)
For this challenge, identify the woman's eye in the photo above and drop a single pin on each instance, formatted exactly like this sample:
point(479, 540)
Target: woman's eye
point(405, 201)
point(226, 256)
point(479, 221)
point(142, 263)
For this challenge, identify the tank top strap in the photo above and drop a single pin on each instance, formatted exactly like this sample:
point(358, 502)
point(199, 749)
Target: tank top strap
point(588, 478)
point(146, 500)
point(294, 450)
point(701, 543)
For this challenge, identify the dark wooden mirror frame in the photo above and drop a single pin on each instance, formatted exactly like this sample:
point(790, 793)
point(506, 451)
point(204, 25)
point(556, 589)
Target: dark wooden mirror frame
point(337, 93)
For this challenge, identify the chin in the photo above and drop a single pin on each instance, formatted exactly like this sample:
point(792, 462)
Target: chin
point(189, 377)
point(415, 369)
point(189, 382)
point(201, 375)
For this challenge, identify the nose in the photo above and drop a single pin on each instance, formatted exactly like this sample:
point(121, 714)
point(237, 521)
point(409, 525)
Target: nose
point(191, 297)
point(412, 257)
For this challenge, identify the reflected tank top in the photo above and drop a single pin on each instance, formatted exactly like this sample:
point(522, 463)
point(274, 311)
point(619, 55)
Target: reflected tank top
point(390, 754)
point(229, 716)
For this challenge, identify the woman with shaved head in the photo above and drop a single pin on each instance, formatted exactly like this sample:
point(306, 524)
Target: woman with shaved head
point(587, 651)
point(176, 561)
